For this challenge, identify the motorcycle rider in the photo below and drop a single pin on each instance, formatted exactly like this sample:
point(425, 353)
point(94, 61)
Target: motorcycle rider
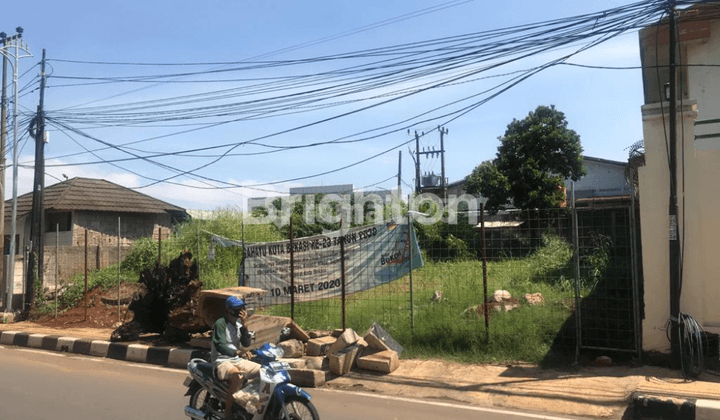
point(229, 335)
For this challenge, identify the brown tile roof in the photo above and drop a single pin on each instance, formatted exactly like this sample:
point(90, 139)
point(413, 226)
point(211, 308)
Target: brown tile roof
point(94, 195)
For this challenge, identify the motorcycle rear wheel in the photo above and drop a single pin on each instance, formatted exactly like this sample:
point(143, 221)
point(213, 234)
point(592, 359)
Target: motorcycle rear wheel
point(202, 400)
point(199, 398)
point(297, 409)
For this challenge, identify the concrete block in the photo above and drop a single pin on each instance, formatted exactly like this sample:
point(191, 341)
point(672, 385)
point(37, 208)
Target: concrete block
point(179, 358)
point(268, 329)
point(99, 348)
point(310, 378)
point(318, 346)
point(316, 362)
point(298, 363)
point(65, 344)
point(7, 337)
point(136, 353)
point(298, 333)
point(203, 343)
point(385, 337)
point(342, 361)
point(347, 338)
point(384, 361)
point(292, 348)
point(707, 409)
point(374, 342)
point(35, 340)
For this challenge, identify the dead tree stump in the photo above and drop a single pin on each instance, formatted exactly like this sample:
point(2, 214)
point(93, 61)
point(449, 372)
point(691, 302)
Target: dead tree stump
point(166, 303)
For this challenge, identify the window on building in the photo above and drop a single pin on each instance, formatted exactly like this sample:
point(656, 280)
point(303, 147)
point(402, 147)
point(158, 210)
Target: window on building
point(60, 221)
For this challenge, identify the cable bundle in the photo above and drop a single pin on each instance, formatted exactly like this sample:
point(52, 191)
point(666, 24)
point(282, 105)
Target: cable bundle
point(691, 346)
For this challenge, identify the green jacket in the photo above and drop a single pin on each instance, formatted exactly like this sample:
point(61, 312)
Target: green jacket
point(227, 338)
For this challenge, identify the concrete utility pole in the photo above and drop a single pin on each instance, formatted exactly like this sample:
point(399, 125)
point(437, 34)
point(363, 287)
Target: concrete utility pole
point(418, 188)
point(37, 231)
point(19, 45)
point(3, 137)
point(443, 131)
point(399, 176)
point(432, 153)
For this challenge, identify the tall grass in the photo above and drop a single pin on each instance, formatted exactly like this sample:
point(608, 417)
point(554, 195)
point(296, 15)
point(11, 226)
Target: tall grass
point(453, 327)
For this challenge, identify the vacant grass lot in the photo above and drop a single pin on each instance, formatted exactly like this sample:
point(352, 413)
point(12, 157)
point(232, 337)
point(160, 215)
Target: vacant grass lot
point(451, 327)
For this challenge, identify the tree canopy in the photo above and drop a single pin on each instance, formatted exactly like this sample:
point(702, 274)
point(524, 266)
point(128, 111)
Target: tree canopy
point(535, 156)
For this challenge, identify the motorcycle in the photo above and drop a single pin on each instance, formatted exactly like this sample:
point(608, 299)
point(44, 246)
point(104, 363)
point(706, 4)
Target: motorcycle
point(270, 397)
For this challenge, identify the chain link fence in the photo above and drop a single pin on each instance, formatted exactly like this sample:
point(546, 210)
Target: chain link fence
point(514, 285)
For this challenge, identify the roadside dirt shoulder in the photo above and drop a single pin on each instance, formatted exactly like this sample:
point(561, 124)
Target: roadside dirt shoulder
point(79, 332)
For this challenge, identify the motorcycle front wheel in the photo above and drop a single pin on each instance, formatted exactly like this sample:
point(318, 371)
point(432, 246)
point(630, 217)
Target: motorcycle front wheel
point(297, 409)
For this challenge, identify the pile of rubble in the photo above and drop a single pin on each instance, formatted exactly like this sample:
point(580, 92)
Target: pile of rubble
point(317, 355)
point(340, 352)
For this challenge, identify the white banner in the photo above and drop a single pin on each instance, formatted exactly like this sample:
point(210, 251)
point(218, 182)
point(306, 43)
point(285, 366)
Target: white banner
point(374, 255)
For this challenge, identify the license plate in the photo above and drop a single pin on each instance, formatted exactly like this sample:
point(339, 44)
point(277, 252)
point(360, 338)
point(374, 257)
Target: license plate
point(187, 381)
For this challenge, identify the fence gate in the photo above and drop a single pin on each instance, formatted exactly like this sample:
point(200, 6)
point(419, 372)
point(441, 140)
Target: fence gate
point(606, 249)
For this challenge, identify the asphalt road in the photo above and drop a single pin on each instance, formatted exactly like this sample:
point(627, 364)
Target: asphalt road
point(38, 385)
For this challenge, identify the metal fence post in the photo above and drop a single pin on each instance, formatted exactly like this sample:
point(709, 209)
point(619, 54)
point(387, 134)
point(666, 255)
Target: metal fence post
point(118, 270)
point(292, 274)
point(26, 267)
point(342, 279)
point(484, 267)
point(57, 264)
point(410, 279)
point(241, 281)
point(159, 263)
point(197, 256)
point(86, 273)
point(576, 267)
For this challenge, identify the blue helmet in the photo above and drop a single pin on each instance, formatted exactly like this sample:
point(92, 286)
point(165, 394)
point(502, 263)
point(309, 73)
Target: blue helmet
point(234, 303)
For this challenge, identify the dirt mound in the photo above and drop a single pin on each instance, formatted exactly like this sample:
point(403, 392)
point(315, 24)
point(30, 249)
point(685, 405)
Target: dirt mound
point(101, 310)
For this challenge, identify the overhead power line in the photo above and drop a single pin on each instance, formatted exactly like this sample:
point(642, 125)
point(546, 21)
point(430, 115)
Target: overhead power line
point(351, 83)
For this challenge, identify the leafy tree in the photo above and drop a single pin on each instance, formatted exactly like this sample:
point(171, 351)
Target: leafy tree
point(535, 156)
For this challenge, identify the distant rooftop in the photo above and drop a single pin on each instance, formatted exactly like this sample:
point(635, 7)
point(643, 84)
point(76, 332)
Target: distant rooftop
point(94, 195)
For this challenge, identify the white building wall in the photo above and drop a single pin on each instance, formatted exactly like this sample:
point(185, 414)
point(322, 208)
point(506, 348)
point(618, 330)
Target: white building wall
point(603, 179)
point(323, 189)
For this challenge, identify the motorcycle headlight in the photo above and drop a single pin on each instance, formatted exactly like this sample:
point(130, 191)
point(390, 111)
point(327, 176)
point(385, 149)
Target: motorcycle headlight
point(279, 352)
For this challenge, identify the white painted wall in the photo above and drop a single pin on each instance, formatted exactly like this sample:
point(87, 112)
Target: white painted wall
point(698, 202)
point(603, 179)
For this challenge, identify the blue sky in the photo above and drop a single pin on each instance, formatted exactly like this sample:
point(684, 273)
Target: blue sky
point(602, 105)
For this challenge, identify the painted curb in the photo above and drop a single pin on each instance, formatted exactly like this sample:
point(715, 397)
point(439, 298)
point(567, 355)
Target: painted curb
point(665, 407)
point(171, 357)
